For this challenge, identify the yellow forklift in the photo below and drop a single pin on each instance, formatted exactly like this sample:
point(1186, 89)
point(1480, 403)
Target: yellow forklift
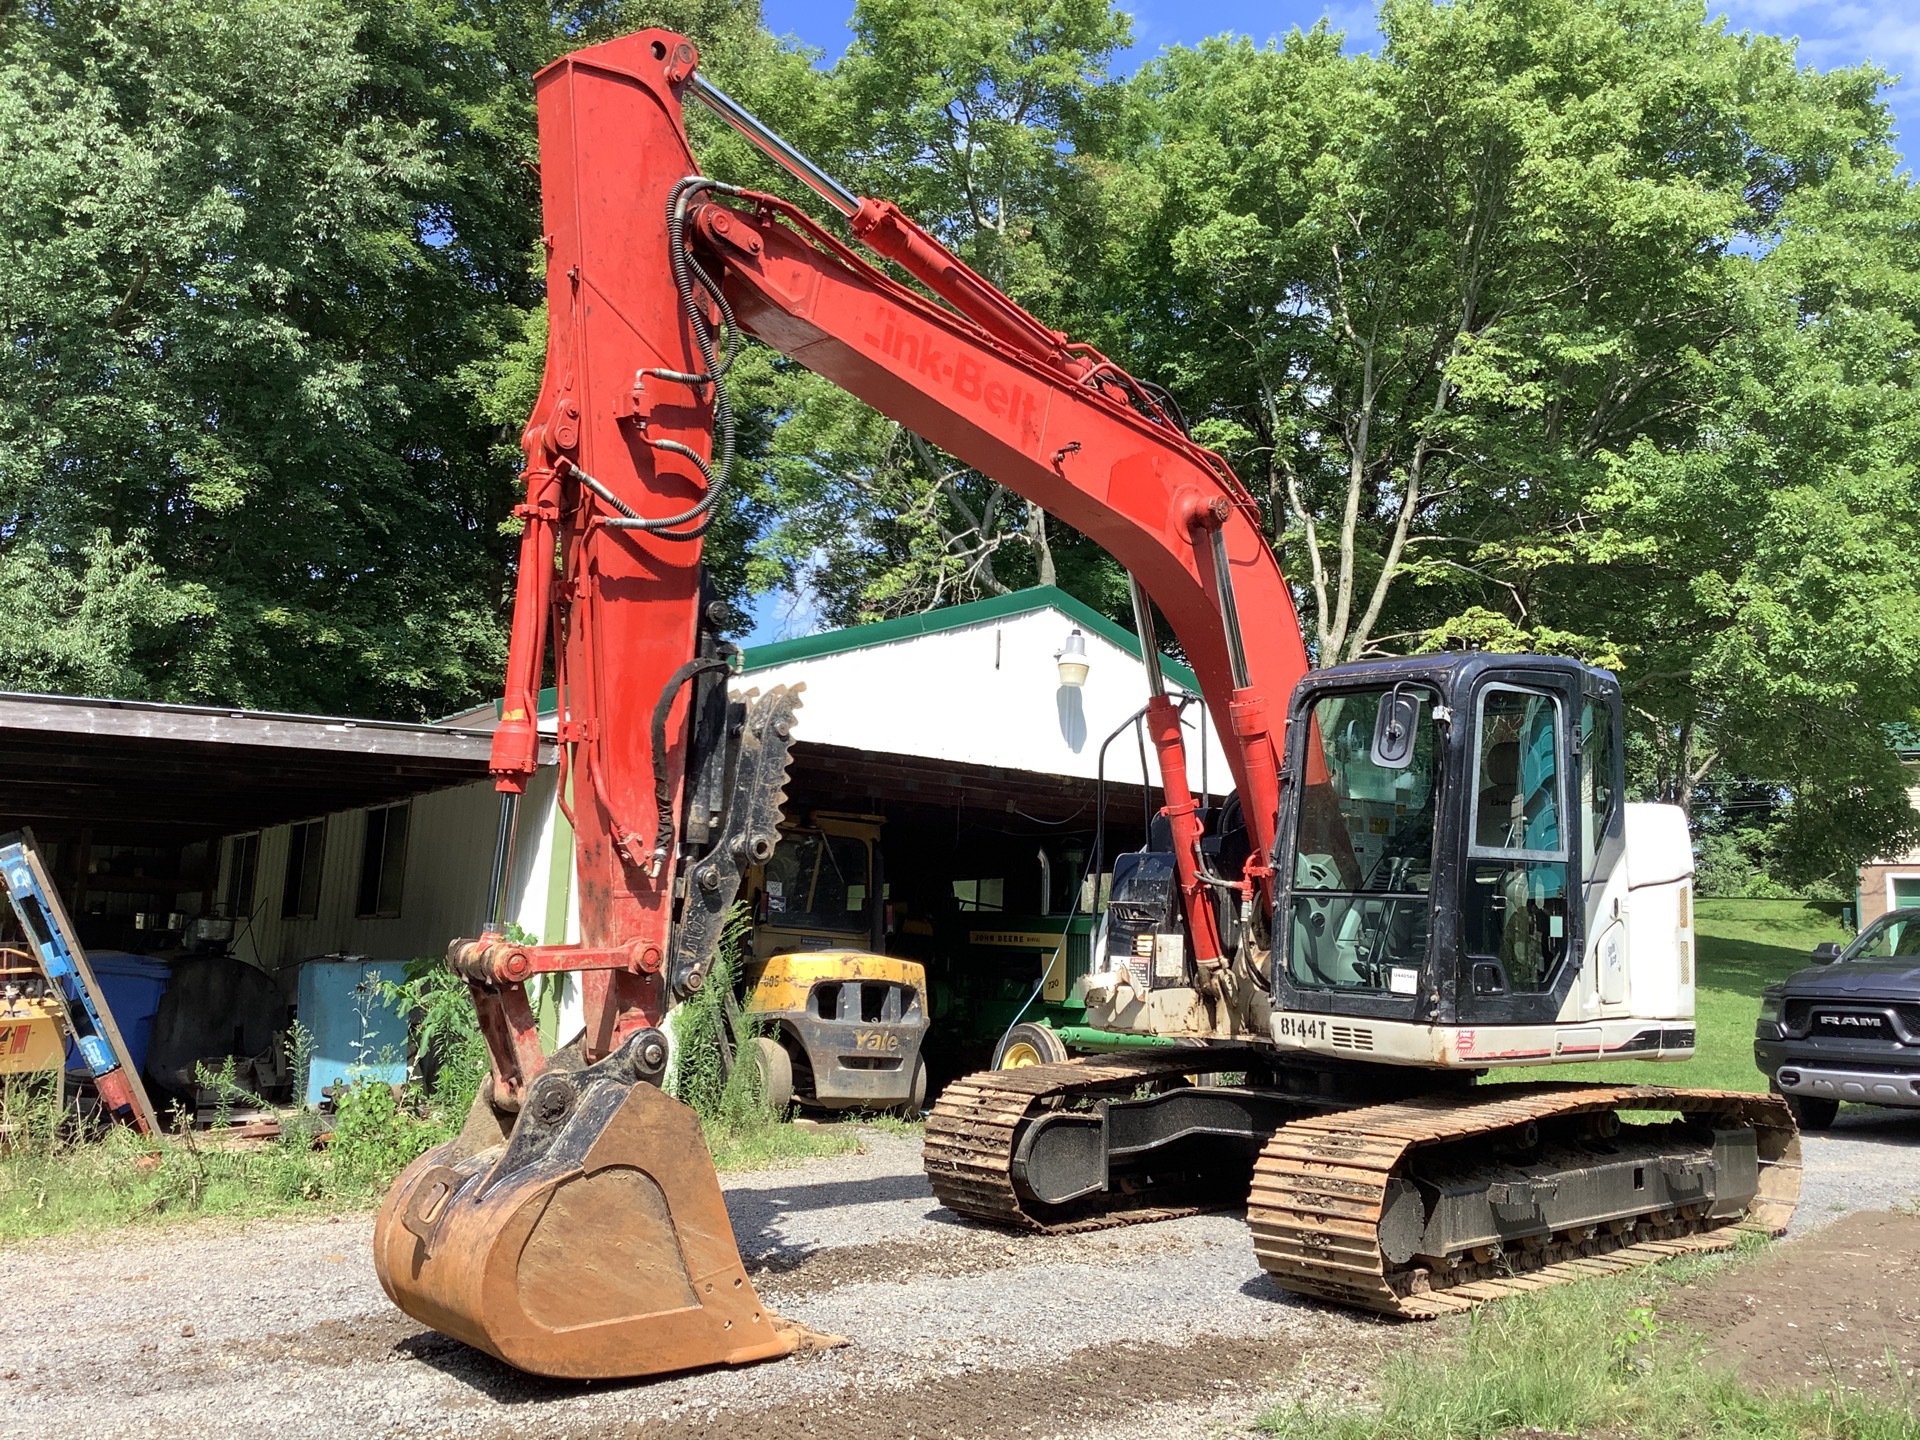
point(831, 1021)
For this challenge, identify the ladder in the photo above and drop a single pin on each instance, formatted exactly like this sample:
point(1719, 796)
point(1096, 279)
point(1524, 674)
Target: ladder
point(50, 932)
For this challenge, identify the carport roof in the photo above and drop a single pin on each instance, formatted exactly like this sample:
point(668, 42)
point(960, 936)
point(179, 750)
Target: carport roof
point(178, 772)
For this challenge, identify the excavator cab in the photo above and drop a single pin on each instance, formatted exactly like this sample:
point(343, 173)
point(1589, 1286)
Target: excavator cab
point(1452, 863)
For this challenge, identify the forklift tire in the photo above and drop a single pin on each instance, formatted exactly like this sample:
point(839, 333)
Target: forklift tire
point(1812, 1113)
point(770, 1058)
point(1028, 1044)
point(916, 1100)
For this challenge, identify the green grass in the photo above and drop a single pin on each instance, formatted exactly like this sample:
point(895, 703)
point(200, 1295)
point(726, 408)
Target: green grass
point(52, 1185)
point(772, 1146)
point(1582, 1360)
point(52, 1182)
point(1743, 947)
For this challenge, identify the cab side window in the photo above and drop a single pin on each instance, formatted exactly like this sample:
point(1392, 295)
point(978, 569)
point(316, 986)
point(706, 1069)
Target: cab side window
point(1515, 906)
point(1597, 797)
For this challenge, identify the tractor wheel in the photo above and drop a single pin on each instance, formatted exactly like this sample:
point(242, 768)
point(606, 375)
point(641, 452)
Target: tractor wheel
point(1811, 1113)
point(1028, 1044)
point(770, 1058)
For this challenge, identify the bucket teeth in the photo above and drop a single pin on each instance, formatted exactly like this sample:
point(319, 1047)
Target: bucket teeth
point(750, 830)
point(603, 1253)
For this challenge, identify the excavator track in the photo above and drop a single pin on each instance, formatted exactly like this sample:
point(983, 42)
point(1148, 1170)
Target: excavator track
point(974, 1130)
point(1325, 1186)
point(1321, 1194)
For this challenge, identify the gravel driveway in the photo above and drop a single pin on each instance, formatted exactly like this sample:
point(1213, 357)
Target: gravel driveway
point(279, 1331)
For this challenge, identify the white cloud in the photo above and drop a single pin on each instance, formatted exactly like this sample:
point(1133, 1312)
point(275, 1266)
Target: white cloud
point(1847, 33)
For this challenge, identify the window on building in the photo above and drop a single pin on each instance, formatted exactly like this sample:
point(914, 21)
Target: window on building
point(1906, 891)
point(383, 860)
point(243, 861)
point(306, 846)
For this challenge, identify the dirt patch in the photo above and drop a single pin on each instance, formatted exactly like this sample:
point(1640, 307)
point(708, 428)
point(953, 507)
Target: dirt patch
point(958, 1251)
point(337, 1344)
point(1839, 1307)
point(1087, 1389)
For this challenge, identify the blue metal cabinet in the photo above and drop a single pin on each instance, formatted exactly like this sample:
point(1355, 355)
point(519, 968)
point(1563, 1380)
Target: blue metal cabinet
point(356, 1034)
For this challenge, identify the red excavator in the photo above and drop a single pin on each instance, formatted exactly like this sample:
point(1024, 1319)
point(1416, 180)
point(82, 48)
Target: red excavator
point(1427, 872)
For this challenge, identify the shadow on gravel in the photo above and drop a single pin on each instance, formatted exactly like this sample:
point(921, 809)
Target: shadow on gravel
point(1262, 1287)
point(503, 1384)
point(1861, 1122)
point(756, 1214)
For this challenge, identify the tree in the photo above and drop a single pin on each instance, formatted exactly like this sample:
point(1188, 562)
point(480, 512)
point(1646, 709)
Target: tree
point(1509, 323)
point(248, 249)
point(976, 119)
point(272, 291)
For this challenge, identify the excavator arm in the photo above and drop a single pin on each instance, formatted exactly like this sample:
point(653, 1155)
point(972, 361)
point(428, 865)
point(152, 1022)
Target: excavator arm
point(576, 1165)
point(576, 1226)
point(654, 274)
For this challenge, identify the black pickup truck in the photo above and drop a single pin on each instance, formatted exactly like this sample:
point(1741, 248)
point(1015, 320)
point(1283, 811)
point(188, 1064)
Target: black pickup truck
point(1848, 1026)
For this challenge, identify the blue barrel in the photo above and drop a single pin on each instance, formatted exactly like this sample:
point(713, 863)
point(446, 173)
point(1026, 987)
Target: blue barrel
point(130, 987)
point(356, 1034)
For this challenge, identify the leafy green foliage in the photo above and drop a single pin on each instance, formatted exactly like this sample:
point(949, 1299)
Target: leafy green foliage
point(1580, 326)
point(54, 1178)
point(709, 1032)
point(450, 1054)
point(251, 245)
point(376, 1135)
point(743, 1130)
point(978, 119)
point(1564, 326)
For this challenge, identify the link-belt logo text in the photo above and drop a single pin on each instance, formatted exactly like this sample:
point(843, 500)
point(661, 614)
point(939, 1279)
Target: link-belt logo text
point(958, 370)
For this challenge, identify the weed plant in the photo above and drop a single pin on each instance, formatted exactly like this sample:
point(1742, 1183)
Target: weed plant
point(713, 1073)
point(1586, 1359)
point(57, 1175)
point(450, 1054)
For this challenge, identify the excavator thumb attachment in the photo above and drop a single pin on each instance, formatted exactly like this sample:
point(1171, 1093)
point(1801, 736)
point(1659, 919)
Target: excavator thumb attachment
point(592, 1244)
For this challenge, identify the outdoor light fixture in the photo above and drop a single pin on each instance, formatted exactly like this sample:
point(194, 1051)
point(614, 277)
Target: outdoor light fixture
point(1072, 660)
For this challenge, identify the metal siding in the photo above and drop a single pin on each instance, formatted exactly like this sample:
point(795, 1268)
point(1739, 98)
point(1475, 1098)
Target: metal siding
point(443, 895)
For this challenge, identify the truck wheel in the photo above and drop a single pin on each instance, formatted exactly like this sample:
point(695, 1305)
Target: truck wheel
point(1812, 1114)
point(1030, 1045)
point(770, 1058)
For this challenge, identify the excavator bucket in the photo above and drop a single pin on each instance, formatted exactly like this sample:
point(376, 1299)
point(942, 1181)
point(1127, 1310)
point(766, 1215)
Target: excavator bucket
point(590, 1243)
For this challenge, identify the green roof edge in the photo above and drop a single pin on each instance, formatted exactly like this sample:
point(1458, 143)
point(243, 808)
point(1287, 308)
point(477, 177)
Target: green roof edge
point(956, 617)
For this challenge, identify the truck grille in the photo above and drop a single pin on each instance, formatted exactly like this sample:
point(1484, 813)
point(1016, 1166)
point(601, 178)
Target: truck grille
point(1850, 1022)
point(1841, 1020)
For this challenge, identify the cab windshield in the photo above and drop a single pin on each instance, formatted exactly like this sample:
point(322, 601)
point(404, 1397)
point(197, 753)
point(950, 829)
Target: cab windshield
point(1893, 936)
point(1364, 861)
point(816, 881)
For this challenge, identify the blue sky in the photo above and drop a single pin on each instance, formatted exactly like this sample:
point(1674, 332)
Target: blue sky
point(1831, 33)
